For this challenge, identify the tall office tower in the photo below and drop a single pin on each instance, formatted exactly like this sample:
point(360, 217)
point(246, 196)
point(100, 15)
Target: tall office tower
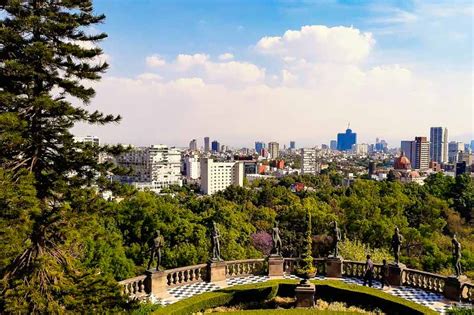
point(453, 151)
point(309, 161)
point(346, 140)
point(273, 149)
point(292, 145)
point(333, 145)
point(215, 146)
point(422, 153)
point(472, 145)
point(439, 144)
point(372, 168)
point(409, 149)
point(207, 146)
point(216, 176)
point(193, 145)
point(259, 146)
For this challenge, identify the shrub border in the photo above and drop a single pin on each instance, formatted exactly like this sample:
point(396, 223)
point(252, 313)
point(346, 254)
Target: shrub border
point(267, 290)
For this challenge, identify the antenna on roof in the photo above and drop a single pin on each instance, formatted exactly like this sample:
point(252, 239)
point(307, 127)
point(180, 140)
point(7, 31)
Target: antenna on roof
point(349, 125)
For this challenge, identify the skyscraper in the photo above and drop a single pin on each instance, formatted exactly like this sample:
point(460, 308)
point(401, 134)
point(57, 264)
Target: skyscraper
point(333, 145)
point(206, 144)
point(193, 145)
point(422, 153)
point(453, 151)
point(215, 146)
point(292, 145)
point(273, 149)
point(346, 140)
point(439, 144)
point(409, 149)
point(259, 146)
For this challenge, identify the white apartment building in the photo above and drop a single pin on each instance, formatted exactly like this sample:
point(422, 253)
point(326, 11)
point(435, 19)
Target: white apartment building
point(309, 161)
point(87, 139)
point(216, 176)
point(360, 148)
point(154, 167)
point(193, 167)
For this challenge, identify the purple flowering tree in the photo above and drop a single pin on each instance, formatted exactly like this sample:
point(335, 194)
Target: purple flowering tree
point(262, 241)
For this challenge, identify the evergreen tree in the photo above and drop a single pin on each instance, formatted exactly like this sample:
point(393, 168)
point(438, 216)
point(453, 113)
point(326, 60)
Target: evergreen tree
point(47, 58)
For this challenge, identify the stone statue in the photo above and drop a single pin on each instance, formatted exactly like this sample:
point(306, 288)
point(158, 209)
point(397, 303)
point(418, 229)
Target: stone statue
point(336, 239)
point(397, 240)
point(216, 246)
point(276, 240)
point(456, 255)
point(158, 242)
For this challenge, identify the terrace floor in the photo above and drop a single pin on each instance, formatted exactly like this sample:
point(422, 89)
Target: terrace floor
point(435, 301)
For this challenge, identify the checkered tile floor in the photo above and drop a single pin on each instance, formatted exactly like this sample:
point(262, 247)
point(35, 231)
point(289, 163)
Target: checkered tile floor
point(432, 300)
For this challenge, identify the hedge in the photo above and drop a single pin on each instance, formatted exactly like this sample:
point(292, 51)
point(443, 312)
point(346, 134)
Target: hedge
point(327, 289)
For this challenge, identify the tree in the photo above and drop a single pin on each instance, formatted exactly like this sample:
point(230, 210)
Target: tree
point(47, 56)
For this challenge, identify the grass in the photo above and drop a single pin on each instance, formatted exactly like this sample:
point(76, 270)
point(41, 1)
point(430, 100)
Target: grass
point(334, 289)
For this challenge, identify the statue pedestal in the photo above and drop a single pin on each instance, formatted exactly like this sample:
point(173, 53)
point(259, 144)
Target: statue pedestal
point(216, 271)
point(275, 266)
point(305, 295)
point(452, 287)
point(334, 267)
point(156, 283)
point(395, 272)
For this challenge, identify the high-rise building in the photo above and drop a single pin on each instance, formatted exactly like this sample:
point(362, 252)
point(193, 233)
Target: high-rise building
point(193, 167)
point(333, 145)
point(422, 153)
point(309, 161)
point(439, 144)
point(346, 140)
point(215, 146)
point(453, 151)
point(408, 148)
point(360, 148)
point(206, 144)
point(372, 168)
point(259, 146)
point(154, 167)
point(274, 149)
point(292, 145)
point(216, 176)
point(193, 145)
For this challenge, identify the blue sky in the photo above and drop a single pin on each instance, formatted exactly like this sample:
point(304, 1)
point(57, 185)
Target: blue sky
point(335, 61)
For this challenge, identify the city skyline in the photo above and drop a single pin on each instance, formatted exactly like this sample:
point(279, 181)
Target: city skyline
point(290, 70)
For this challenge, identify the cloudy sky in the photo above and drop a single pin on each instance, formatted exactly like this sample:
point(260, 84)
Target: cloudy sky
point(240, 71)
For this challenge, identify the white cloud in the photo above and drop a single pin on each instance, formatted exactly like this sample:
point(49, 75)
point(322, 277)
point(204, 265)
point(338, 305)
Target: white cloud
point(320, 43)
point(308, 97)
point(155, 61)
point(226, 56)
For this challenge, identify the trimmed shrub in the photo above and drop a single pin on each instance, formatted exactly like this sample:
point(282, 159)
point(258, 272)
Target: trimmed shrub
point(197, 303)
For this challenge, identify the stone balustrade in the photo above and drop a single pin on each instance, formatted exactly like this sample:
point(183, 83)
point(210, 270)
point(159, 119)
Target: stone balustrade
point(186, 275)
point(239, 268)
point(134, 287)
point(356, 269)
point(158, 282)
point(423, 280)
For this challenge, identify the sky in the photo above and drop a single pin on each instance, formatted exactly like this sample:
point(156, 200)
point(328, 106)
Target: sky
point(242, 71)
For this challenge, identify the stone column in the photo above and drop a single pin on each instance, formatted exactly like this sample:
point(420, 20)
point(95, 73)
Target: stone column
point(275, 266)
point(395, 274)
point(216, 271)
point(334, 267)
point(305, 295)
point(452, 287)
point(156, 283)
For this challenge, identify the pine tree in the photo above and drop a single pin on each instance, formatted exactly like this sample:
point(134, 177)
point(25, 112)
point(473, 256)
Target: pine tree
point(47, 58)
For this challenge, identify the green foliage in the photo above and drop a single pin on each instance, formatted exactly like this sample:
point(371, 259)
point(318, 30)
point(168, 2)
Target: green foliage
point(355, 250)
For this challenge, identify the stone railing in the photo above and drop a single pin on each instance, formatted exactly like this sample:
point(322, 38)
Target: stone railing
point(356, 269)
point(186, 275)
point(467, 292)
point(135, 287)
point(423, 280)
point(239, 268)
point(158, 282)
